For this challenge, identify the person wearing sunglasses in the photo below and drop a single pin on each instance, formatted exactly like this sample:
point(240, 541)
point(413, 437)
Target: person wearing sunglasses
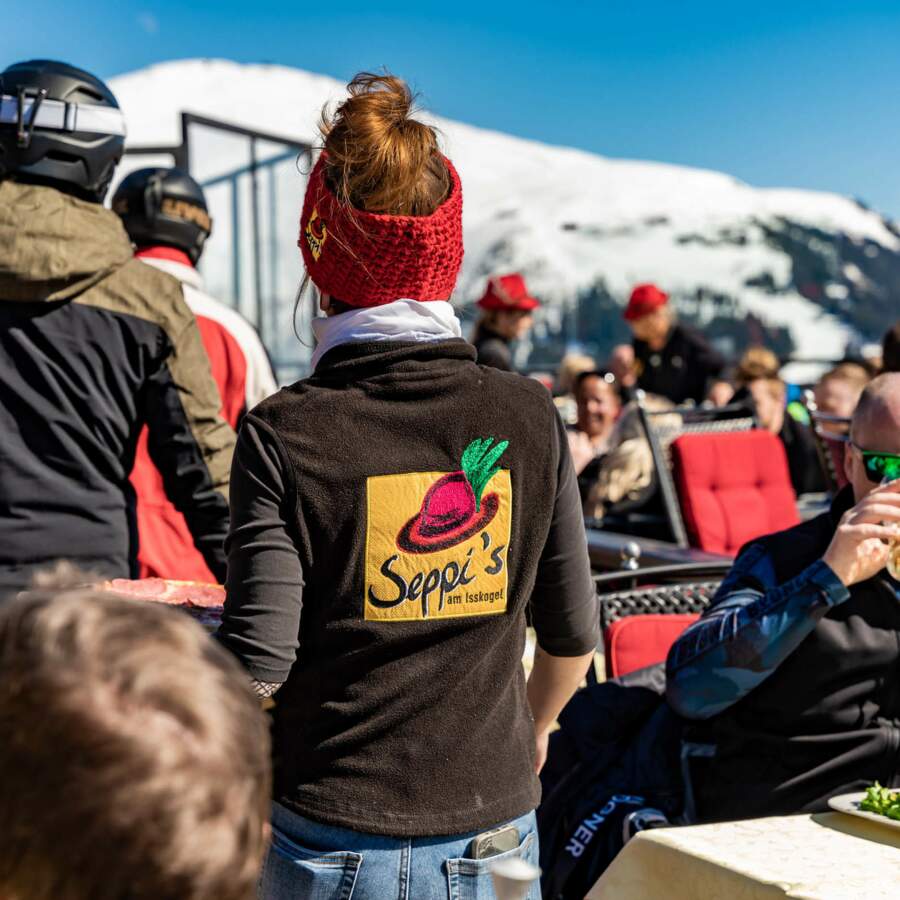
point(791, 674)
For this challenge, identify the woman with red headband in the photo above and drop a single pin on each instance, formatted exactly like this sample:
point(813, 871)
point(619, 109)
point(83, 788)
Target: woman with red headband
point(392, 517)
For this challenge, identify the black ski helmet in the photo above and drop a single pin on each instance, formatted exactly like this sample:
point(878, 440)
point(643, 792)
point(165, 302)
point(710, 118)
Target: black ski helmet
point(164, 206)
point(59, 125)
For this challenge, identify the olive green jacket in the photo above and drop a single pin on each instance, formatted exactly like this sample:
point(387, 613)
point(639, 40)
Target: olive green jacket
point(93, 345)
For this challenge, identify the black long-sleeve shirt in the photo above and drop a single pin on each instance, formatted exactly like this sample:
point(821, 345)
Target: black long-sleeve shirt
point(682, 369)
point(493, 350)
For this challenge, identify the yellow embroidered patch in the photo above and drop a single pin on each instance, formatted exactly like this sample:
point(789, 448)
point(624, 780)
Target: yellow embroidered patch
point(433, 550)
point(316, 234)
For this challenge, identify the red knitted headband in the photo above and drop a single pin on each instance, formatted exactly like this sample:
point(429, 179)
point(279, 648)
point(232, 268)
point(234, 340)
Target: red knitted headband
point(366, 259)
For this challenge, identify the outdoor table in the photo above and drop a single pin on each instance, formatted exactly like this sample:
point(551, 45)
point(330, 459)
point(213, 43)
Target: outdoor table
point(824, 856)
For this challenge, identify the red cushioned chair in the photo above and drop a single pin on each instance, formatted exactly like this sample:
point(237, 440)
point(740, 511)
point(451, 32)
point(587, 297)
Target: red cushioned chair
point(733, 488)
point(663, 427)
point(643, 611)
point(640, 641)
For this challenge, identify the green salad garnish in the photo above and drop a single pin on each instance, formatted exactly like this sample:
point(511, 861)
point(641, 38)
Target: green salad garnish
point(881, 800)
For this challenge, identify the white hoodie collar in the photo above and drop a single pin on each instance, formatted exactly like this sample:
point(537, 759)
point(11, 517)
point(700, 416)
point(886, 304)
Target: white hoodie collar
point(400, 320)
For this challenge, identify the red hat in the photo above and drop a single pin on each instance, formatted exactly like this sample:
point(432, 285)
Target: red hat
point(455, 507)
point(366, 259)
point(645, 298)
point(507, 292)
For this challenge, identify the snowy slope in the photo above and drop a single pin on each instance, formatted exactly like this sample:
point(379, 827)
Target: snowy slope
point(564, 217)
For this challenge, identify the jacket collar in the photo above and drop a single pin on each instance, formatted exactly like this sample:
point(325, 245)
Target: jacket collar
point(358, 359)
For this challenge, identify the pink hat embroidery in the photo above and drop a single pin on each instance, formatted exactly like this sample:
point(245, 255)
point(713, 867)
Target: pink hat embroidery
point(454, 509)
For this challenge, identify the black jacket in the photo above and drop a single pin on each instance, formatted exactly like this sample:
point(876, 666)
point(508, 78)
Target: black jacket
point(93, 344)
point(493, 350)
point(803, 459)
point(827, 721)
point(682, 369)
point(616, 752)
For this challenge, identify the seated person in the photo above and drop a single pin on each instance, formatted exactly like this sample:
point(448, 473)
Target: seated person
point(135, 757)
point(838, 391)
point(793, 669)
point(761, 362)
point(626, 483)
point(757, 362)
point(570, 367)
point(597, 408)
point(769, 394)
point(621, 365)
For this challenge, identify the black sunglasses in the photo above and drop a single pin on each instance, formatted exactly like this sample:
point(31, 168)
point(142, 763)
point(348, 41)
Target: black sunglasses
point(879, 466)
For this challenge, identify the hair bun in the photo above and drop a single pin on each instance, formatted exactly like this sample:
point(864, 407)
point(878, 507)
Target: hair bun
point(388, 95)
point(380, 159)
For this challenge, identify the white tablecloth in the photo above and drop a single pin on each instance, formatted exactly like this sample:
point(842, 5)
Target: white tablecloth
point(827, 856)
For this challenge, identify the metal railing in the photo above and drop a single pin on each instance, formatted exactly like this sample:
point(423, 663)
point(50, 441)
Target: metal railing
point(261, 211)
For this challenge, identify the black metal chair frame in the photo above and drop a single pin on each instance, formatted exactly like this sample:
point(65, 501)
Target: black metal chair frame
point(684, 588)
point(655, 590)
point(694, 420)
point(827, 429)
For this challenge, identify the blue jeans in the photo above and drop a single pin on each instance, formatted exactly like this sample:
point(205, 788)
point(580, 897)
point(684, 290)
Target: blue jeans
point(310, 861)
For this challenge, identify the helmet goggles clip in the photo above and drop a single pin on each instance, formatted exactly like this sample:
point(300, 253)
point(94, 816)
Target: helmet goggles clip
point(24, 130)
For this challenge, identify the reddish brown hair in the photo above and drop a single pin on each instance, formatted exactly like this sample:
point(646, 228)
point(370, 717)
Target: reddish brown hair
point(134, 760)
point(379, 158)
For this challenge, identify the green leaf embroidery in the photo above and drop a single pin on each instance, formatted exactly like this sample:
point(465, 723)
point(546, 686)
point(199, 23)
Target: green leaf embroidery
point(479, 464)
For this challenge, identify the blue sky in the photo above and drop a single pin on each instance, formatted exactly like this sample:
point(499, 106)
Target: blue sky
point(794, 93)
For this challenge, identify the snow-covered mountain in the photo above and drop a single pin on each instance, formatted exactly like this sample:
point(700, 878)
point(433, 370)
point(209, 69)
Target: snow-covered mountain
point(819, 266)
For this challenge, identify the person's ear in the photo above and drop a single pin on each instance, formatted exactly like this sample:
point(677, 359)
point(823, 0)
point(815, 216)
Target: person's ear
point(848, 458)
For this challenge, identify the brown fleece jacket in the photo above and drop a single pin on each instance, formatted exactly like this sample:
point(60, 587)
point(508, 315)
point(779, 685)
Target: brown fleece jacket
point(418, 503)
